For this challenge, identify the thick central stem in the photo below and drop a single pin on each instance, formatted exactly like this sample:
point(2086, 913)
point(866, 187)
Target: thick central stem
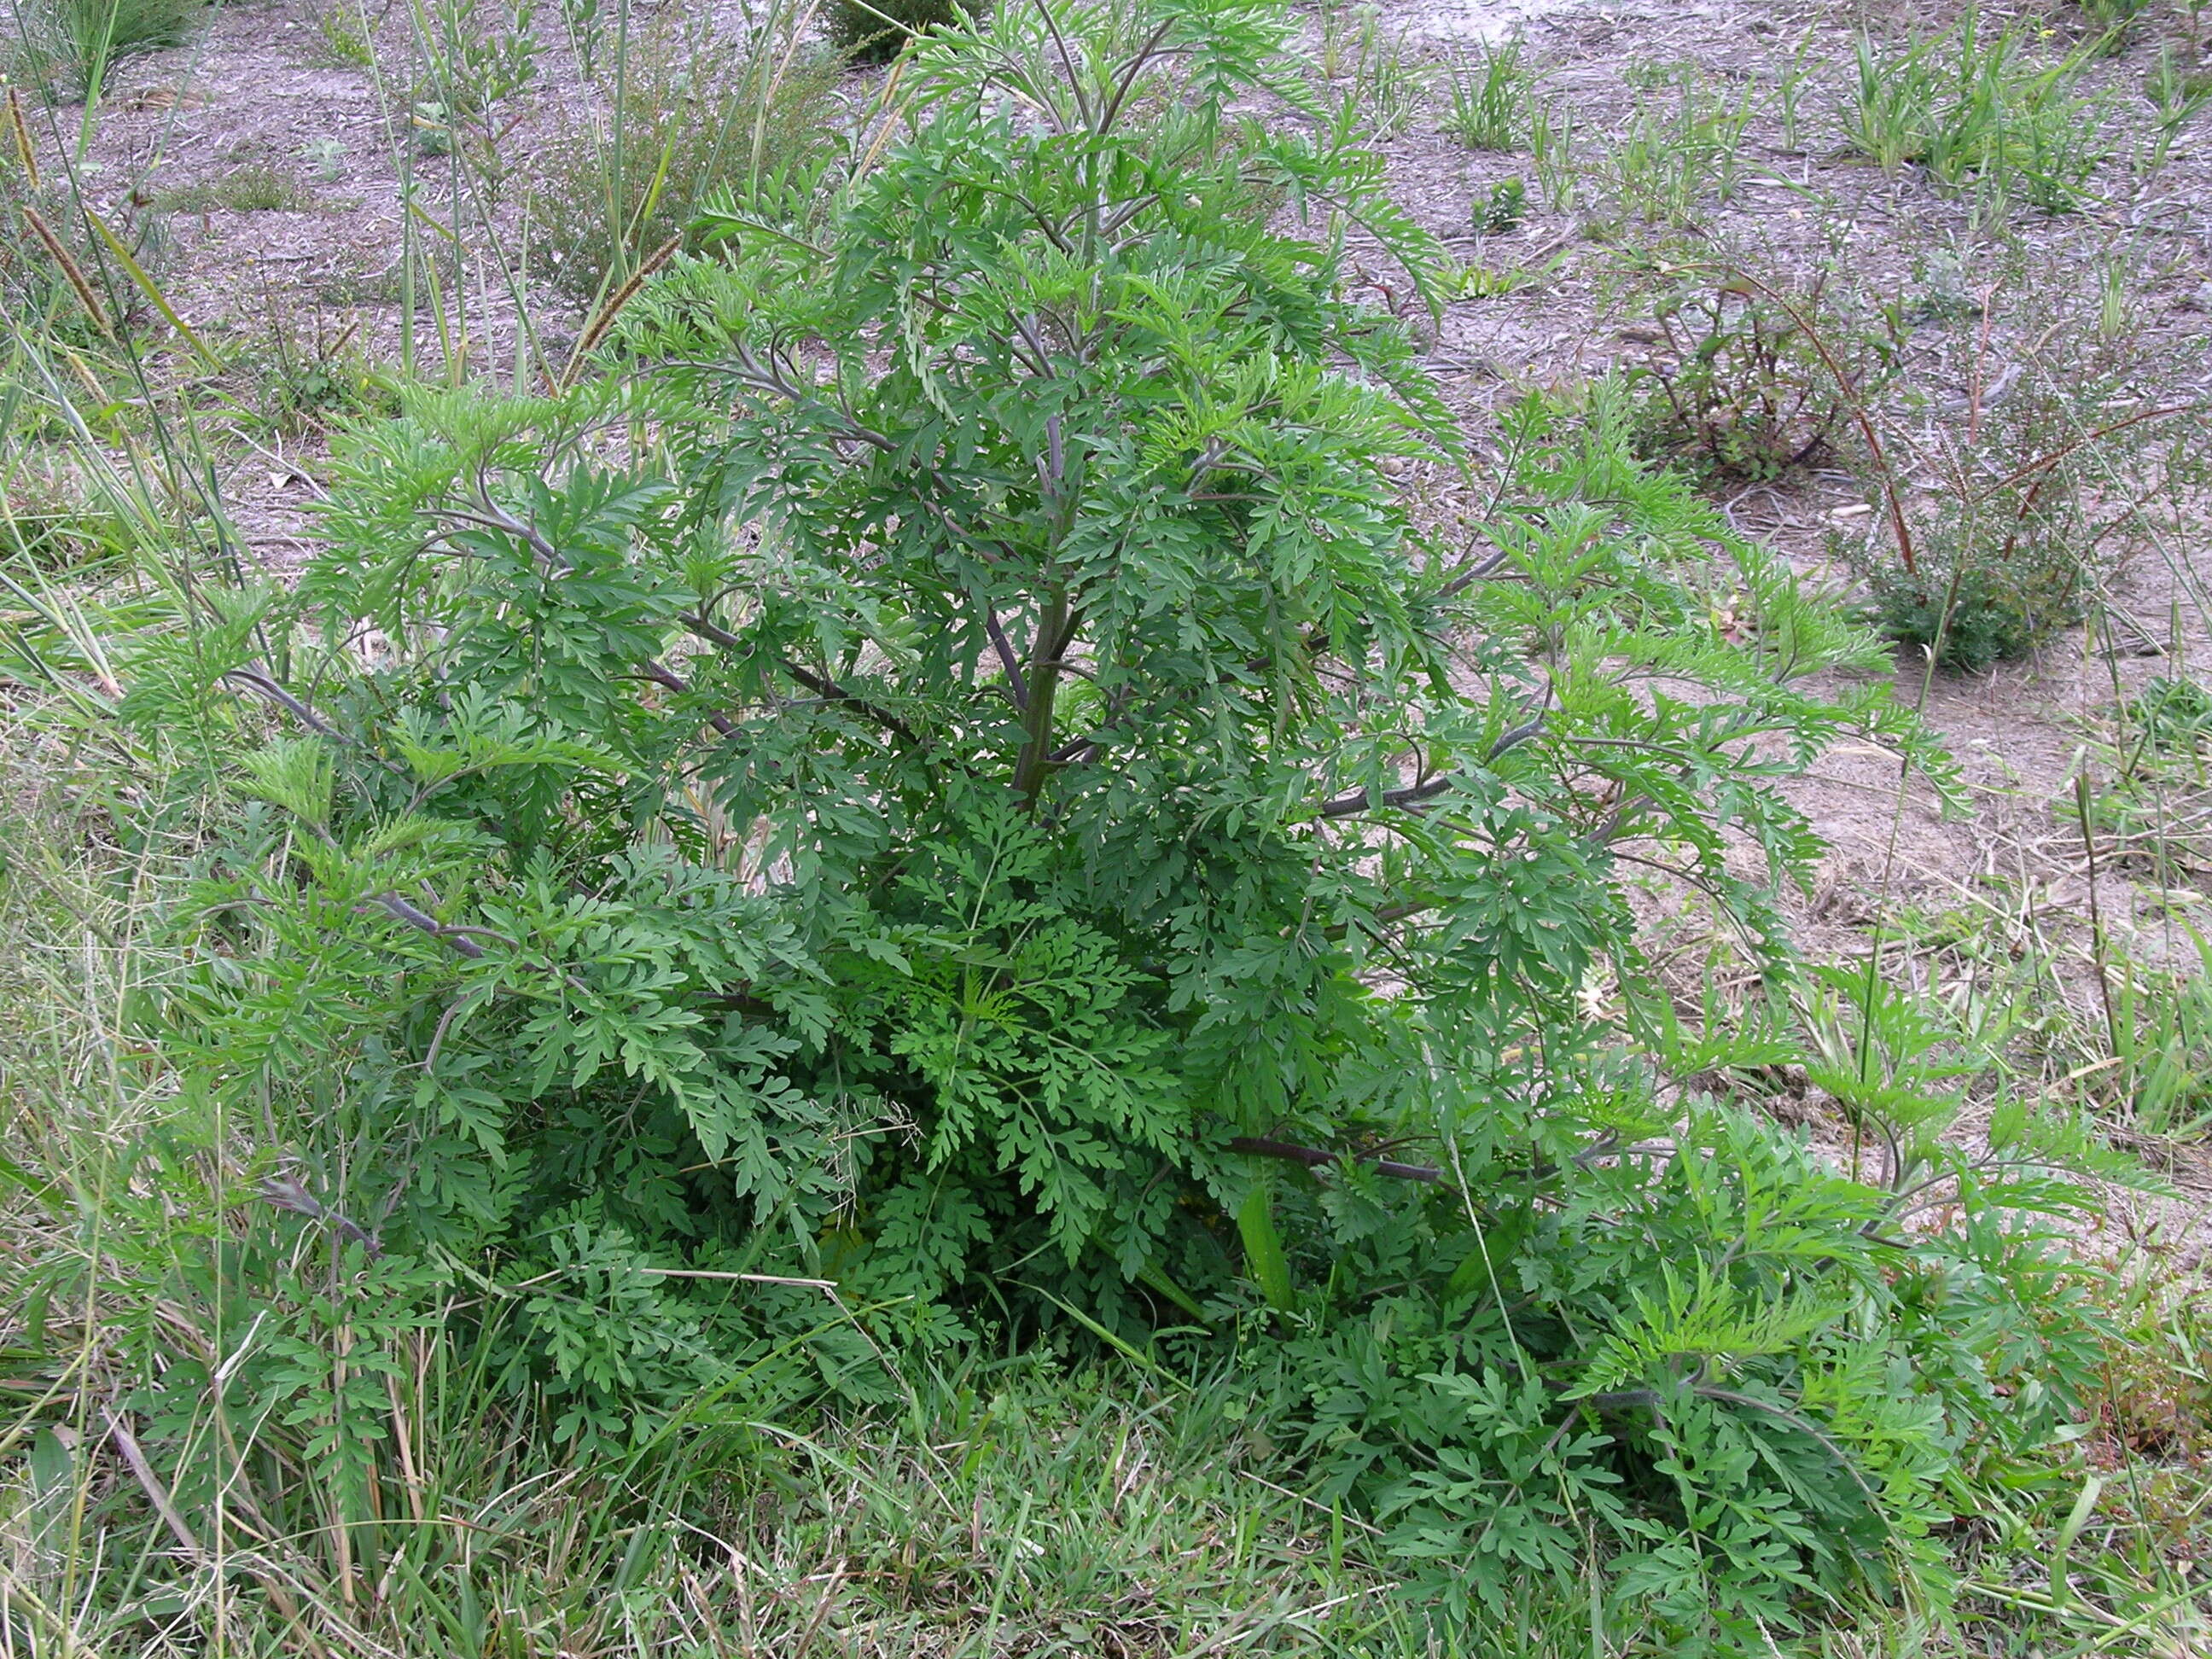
point(1043, 685)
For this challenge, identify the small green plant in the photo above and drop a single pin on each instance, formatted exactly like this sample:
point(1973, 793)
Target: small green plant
point(1943, 291)
point(255, 187)
point(345, 37)
point(877, 31)
point(692, 119)
point(586, 28)
point(1986, 584)
point(2053, 460)
point(1493, 97)
point(47, 520)
point(481, 53)
point(361, 279)
point(2009, 553)
point(434, 124)
point(2173, 719)
point(2162, 1025)
point(1501, 212)
point(309, 373)
point(328, 156)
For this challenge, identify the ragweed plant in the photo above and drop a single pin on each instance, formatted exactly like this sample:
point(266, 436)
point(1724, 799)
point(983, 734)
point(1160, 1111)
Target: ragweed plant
point(951, 786)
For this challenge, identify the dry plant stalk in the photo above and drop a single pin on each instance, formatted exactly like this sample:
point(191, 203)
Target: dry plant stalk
point(22, 134)
point(604, 320)
point(85, 296)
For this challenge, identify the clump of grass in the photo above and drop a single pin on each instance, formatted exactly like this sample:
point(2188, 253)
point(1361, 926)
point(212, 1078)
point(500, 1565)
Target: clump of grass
point(2176, 94)
point(877, 31)
point(1971, 109)
point(47, 519)
point(2152, 816)
point(255, 188)
point(1492, 97)
point(53, 266)
point(690, 117)
point(1375, 73)
point(64, 46)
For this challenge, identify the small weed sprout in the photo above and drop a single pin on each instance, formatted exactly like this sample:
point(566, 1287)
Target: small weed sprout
point(1552, 148)
point(2152, 811)
point(585, 28)
point(1501, 212)
point(2111, 21)
point(328, 156)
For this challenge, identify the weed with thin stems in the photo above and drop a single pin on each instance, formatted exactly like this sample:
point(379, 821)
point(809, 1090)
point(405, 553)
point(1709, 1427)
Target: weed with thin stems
point(1680, 149)
point(2051, 466)
point(1735, 386)
point(692, 118)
